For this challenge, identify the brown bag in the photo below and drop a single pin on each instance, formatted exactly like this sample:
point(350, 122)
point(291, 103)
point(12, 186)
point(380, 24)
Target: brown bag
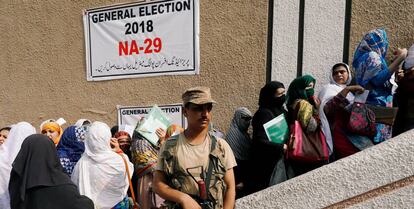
point(385, 115)
point(131, 188)
point(306, 147)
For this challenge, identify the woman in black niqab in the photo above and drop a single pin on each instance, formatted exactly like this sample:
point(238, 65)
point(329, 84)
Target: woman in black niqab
point(37, 179)
point(265, 153)
point(268, 100)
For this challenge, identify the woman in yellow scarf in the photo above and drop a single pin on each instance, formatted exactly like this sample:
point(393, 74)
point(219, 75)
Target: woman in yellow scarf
point(52, 130)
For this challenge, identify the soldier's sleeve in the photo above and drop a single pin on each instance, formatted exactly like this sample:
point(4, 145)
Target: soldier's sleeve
point(229, 159)
point(160, 160)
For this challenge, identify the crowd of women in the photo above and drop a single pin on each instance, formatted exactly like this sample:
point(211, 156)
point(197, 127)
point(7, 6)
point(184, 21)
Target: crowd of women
point(390, 88)
point(89, 165)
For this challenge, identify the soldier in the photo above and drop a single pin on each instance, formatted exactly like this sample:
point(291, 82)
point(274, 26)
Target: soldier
point(188, 162)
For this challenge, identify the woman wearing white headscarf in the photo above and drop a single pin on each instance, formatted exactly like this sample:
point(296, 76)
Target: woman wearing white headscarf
point(82, 122)
point(100, 174)
point(8, 153)
point(334, 98)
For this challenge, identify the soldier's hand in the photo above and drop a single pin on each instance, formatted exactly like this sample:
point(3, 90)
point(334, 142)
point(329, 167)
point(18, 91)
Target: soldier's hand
point(190, 203)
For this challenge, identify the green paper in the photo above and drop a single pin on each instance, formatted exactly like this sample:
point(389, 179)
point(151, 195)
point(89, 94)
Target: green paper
point(155, 119)
point(277, 129)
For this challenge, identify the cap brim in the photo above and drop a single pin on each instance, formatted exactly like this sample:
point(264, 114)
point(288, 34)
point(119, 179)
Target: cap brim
point(202, 101)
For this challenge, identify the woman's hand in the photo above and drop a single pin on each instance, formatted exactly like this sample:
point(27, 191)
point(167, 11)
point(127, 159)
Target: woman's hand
point(401, 53)
point(356, 89)
point(115, 145)
point(399, 75)
point(161, 135)
point(316, 101)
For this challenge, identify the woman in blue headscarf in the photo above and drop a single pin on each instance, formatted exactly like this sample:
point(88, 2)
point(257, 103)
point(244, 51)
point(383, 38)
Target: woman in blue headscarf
point(71, 147)
point(373, 73)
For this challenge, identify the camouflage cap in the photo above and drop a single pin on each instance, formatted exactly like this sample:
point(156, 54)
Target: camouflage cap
point(197, 95)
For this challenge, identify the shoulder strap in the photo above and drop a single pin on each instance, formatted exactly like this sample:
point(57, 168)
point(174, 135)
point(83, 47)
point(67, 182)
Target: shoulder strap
point(210, 163)
point(296, 110)
point(171, 144)
point(129, 179)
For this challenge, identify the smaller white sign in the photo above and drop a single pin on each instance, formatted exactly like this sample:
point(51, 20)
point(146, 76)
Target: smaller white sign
point(130, 115)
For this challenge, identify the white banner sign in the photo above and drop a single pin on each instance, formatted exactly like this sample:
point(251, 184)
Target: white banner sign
point(129, 115)
point(142, 39)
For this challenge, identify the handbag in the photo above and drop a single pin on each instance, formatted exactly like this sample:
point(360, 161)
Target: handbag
point(306, 147)
point(385, 115)
point(362, 120)
point(131, 188)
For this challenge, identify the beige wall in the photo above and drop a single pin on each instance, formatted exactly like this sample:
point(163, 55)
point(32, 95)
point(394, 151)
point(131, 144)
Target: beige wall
point(396, 16)
point(43, 58)
point(43, 63)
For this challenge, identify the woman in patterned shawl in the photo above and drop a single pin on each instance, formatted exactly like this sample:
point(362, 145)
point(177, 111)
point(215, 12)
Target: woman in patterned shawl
point(144, 157)
point(373, 73)
point(301, 92)
point(71, 147)
point(302, 102)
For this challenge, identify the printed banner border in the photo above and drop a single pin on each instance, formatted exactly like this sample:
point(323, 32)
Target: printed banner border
point(196, 53)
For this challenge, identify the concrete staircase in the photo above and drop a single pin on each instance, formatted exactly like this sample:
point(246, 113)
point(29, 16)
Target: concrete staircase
point(381, 176)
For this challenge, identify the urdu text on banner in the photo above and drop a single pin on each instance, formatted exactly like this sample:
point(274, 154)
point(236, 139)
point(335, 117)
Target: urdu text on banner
point(142, 39)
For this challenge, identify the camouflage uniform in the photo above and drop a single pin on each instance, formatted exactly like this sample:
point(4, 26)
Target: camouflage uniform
point(176, 175)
